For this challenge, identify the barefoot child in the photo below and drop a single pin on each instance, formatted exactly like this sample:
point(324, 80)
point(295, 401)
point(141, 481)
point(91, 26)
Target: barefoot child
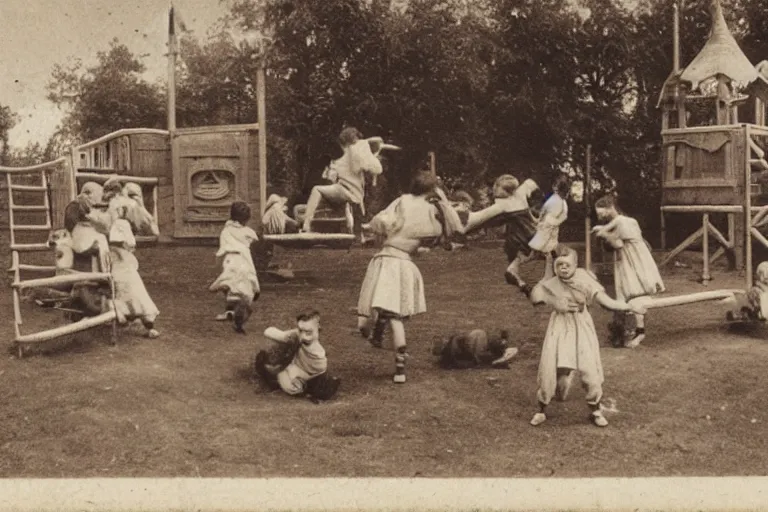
point(238, 279)
point(393, 289)
point(635, 271)
point(546, 239)
point(297, 363)
point(570, 343)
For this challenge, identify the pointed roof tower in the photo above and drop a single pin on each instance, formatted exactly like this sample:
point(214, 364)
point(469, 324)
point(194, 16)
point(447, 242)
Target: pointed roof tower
point(720, 55)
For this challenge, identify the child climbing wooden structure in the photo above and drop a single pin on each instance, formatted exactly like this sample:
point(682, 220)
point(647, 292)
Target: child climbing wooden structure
point(30, 217)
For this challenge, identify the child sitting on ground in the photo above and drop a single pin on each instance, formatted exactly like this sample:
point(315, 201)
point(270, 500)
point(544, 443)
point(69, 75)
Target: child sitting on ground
point(296, 362)
point(475, 349)
point(570, 343)
point(756, 307)
point(238, 279)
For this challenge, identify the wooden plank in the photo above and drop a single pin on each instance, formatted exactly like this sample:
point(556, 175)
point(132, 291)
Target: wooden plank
point(120, 133)
point(91, 176)
point(30, 247)
point(225, 128)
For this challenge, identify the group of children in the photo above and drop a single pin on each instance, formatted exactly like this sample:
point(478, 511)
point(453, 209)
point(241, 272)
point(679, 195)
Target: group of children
point(392, 289)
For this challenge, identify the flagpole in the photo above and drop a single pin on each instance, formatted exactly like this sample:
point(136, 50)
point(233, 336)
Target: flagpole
point(172, 49)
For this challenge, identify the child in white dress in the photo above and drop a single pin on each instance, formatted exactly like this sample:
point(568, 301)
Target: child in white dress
point(546, 239)
point(393, 288)
point(570, 343)
point(635, 270)
point(238, 279)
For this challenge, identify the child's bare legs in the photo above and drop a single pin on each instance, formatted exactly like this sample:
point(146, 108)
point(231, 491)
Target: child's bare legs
point(229, 310)
point(398, 341)
point(564, 379)
point(333, 193)
point(513, 270)
point(639, 332)
point(149, 325)
point(594, 393)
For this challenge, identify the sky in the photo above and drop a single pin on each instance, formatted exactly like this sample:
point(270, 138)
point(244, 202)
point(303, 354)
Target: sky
point(37, 34)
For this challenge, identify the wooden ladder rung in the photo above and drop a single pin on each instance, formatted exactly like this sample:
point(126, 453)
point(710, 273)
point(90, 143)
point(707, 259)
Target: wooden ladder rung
point(35, 268)
point(32, 227)
point(37, 188)
point(30, 247)
point(29, 208)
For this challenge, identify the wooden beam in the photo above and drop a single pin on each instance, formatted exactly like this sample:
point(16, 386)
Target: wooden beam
point(261, 111)
point(679, 300)
point(747, 209)
point(760, 237)
point(588, 205)
point(719, 236)
point(72, 328)
point(705, 275)
point(683, 245)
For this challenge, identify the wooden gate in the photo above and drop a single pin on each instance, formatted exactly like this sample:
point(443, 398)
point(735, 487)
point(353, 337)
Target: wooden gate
point(213, 167)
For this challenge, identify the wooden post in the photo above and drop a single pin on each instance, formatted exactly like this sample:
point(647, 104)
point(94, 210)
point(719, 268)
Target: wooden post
point(705, 275)
point(261, 107)
point(732, 239)
point(171, 72)
point(588, 206)
point(747, 209)
point(676, 37)
point(663, 241)
point(432, 163)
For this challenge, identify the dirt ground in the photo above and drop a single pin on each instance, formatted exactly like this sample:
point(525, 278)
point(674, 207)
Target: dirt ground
point(690, 401)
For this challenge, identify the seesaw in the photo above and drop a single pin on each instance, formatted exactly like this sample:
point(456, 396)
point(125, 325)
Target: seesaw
point(726, 296)
point(307, 240)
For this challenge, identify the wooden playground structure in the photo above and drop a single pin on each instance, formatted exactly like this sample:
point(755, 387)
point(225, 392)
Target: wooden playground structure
point(714, 163)
point(189, 178)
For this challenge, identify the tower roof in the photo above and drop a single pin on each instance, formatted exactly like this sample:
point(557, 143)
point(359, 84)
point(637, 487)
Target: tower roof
point(721, 55)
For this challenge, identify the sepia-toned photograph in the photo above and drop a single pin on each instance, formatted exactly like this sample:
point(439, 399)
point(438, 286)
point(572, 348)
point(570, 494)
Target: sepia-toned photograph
point(384, 255)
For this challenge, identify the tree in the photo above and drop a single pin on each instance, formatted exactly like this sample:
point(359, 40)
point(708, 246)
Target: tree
point(108, 96)
point(8, 120)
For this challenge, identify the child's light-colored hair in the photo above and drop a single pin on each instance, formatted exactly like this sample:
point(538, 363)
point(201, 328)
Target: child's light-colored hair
point(274, 219)
point(507, 184)
point(762, 272)
point(349, 136)
point(563, 251)
point(607, 201)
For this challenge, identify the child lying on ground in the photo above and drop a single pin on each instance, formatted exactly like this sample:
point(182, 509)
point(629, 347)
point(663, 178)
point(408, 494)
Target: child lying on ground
point(474, 349)
point(296, 361)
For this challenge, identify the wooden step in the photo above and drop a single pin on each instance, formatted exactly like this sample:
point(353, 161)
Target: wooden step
point(32, 227)
point(37, 188)
point(30, 247)
point(29, 208)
